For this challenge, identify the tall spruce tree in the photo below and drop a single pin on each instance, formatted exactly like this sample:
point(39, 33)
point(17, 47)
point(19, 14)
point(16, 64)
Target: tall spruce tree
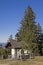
point(39, 39)
point(27, 30)
point(39, 29)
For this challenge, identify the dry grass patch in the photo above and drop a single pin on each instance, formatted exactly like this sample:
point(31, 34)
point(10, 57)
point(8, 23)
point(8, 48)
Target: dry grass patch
point(37, 61)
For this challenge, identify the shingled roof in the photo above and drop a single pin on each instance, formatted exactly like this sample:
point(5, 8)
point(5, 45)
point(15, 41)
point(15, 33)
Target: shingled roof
point(15, 44)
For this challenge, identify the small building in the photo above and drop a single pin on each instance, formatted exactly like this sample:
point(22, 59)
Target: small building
point(16, 48)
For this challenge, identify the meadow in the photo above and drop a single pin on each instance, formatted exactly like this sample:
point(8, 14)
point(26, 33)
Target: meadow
point(38, 60)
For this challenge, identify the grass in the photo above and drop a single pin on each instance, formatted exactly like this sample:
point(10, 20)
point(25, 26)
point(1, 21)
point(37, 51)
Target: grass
point(37, 61)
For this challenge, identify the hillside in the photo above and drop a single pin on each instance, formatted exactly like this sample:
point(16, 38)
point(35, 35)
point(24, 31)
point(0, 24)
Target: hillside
point(2, 44)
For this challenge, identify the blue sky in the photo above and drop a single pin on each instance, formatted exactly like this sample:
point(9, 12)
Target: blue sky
point(12, 12)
